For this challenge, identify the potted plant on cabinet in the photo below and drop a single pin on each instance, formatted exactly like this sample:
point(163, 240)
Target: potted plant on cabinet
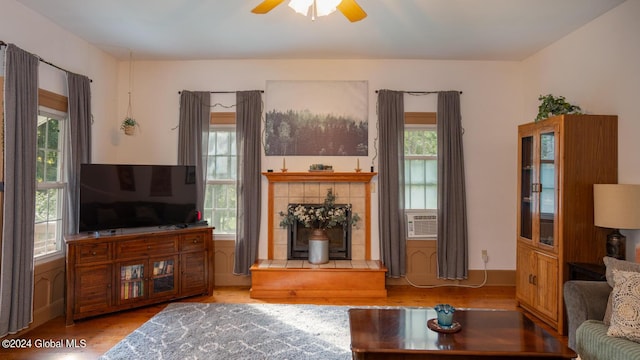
point(552, 106)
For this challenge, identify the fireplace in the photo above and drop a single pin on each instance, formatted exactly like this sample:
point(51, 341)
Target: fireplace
point(339, 240)
point(309, 188)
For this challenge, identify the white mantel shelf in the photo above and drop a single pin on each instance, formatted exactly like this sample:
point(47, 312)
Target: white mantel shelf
point(319, 176)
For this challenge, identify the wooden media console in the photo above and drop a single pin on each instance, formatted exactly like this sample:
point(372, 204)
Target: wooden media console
point(128, 269)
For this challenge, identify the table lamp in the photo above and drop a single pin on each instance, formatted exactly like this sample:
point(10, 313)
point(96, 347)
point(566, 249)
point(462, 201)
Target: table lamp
point(616, 206)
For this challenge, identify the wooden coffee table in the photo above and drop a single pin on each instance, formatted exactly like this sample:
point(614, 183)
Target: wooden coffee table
point(485, 334)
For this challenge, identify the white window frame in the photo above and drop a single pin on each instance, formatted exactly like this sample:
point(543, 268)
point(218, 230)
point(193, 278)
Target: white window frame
point(62, 184)
point(234, 182)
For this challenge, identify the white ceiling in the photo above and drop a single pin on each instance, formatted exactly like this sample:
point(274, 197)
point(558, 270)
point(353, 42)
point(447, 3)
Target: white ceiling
point(393, 29)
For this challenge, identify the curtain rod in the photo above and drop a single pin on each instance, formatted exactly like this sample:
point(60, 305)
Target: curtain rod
point(420, 92)
point(2, 43)
point(222, 92)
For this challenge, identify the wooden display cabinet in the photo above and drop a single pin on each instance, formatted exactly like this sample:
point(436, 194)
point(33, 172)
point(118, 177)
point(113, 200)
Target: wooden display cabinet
point(559, 160)
point(122, 271)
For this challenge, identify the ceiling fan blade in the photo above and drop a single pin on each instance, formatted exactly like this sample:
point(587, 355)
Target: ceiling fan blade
point(351, 10)
point(266, 6)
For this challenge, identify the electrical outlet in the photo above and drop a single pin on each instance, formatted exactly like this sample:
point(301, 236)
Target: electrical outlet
point(485, 256)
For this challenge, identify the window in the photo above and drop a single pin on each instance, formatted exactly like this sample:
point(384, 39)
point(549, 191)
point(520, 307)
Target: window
point(220, 197)
point(50, 184)
point(420, 154)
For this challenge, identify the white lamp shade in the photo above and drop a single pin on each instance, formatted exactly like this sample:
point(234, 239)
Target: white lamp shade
point(616, 206)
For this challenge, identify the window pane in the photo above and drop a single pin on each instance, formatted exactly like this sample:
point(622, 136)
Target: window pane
point(42, 132)
point(51, 166)
point(222, 143)
point(220, 198)
point(222, 161)
point(431, 172)
point(220, 207)
point(420, 142)
point(417, 172)
point(233, 168)
point(49, 204)
point(431, 197)
point(232, 143)
point(222, 168)
point(421, 176)
point(40, 157)
point(48, 225)
point(53, 138)
point(415, 197)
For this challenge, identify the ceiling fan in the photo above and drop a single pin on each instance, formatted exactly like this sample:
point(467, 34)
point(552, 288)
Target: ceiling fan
point(349, 8)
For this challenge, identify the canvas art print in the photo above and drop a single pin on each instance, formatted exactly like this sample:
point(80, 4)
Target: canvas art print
point(316, 118)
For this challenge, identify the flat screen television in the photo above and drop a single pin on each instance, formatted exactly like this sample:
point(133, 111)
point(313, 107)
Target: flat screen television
point(114, 196)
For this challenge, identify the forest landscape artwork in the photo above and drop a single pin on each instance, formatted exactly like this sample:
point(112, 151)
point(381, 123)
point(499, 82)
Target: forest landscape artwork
point(316, 118)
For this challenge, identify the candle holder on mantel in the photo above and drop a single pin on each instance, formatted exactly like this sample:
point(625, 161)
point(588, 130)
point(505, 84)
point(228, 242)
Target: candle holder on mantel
point(357, 169)
point(284, 166)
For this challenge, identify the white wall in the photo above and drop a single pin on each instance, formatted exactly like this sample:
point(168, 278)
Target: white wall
point(491, 104)
point(597, 67)
point(36, 34)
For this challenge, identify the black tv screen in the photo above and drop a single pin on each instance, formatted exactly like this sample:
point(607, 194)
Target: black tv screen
point(126, 196)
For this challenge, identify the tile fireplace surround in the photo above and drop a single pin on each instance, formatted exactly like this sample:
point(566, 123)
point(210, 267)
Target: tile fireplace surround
point(311, 187)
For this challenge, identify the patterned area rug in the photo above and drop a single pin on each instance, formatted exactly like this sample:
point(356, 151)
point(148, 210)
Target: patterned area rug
point(239, 331)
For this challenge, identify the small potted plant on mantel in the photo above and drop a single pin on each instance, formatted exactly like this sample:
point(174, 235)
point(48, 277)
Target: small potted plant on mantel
point(129, 126)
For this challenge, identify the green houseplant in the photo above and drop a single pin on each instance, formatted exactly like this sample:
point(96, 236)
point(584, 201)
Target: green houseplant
point(129, 125)
point(551, 106)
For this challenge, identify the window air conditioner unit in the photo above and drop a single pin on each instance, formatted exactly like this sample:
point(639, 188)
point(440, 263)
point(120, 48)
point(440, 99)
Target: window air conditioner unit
point(422, 224)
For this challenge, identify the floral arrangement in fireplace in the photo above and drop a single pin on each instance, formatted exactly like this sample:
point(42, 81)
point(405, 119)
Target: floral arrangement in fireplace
point(325, 216)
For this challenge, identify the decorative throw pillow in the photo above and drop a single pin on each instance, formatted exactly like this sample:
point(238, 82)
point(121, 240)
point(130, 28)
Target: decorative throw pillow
point(615, 264)
point(625, 306)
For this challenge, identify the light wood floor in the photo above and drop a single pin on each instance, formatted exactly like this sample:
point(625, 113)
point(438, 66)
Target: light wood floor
point(102, 333)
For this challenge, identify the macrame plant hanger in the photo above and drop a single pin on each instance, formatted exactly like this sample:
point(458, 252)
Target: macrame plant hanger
point(129, 124)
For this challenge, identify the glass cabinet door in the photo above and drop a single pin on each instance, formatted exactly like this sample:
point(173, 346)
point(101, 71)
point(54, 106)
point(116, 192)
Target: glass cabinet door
point(526, 187)
point(132, 281)
point(163, 278)
point(547, 188)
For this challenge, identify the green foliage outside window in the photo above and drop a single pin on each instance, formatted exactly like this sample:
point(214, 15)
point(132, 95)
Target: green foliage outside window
point(420, 142)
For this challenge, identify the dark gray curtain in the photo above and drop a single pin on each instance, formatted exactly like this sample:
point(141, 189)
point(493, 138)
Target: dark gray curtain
point(391, 181)
point(79, 142)
point(21, 119)
point(452, 244)
point(193, 136)
point(248, 115)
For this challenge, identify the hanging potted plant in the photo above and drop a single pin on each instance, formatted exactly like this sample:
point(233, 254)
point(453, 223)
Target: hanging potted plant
point(129, 125)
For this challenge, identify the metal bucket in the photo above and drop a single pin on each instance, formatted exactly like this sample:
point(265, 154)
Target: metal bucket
point(318, 251)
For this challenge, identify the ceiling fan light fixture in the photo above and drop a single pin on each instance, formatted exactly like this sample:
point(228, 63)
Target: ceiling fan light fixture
point(315, 7)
